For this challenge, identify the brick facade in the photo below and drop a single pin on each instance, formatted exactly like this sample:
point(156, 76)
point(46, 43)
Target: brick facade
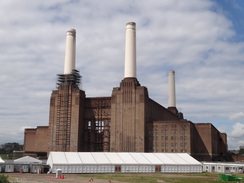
point(128, 121)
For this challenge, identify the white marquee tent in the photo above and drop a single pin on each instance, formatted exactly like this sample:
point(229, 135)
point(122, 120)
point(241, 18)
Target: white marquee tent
point(27, 164)
point(1, 164)
point(1, 160)
point(101, 162)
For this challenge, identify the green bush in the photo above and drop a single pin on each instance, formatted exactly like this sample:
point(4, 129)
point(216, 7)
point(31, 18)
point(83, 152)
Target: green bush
point(4, 179)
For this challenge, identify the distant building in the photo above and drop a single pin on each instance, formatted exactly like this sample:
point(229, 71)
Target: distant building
point(126, 121)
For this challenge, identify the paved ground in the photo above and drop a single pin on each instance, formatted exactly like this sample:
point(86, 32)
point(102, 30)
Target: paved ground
point(45, 178)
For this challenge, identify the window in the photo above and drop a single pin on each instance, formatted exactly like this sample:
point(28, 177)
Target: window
point(162, 131)
point(162, 137)
point(166, 138)
point(162, 144)
point(172, 144)
point(172, 138)
point(166, 131)
point(172, 150)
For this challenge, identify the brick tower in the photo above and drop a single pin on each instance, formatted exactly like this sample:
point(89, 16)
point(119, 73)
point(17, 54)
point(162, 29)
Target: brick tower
point(128, 103)
point(67, 105)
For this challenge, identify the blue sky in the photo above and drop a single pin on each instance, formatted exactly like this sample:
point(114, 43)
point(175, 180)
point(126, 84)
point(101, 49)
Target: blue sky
point(234, 10)
point(202, 40)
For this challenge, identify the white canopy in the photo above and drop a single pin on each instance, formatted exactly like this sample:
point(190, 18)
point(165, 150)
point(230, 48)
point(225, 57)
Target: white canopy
point(27, 160)
point(107, 162)
point(1, 160)
point(96, 158)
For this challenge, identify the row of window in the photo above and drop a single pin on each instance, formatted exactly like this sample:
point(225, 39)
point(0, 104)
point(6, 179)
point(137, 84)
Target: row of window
point(167, 138)
point(170, 150)
point(172, 126)
point(167, 132)
point(172, 144)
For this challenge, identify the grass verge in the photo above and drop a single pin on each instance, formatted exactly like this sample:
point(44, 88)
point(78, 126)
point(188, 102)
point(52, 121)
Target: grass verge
point(156, 177)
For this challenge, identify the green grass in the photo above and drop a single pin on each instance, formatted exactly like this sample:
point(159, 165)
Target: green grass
point(157, 177)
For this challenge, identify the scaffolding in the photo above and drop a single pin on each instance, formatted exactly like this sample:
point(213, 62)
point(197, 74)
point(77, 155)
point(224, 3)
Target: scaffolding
point(97, 124)
point(63, 119)
point(74, 79)
point(66, 83)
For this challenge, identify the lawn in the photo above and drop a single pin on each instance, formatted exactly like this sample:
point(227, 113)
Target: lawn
point(158, 177)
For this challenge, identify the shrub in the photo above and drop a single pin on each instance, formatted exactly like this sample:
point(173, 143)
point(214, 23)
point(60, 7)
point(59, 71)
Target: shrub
point(4, 179)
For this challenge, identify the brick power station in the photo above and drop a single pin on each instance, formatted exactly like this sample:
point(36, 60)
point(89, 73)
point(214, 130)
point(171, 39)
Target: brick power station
point(126, 121)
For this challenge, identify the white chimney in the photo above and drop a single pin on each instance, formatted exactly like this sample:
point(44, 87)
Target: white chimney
point(69, 64)
point(130, 50)
point(171, 89)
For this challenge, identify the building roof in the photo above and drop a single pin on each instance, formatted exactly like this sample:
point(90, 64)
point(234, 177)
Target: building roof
point(99, 158)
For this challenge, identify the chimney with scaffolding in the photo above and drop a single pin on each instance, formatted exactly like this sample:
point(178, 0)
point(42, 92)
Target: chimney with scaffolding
point(67, 103)
point(71, 76)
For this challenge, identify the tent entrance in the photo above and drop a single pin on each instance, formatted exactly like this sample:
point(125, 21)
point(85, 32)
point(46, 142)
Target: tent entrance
point(117, 168)
point(157, 168)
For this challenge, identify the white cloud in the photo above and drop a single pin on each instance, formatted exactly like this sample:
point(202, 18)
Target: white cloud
point(237, 116)
point(238, 130)
point(236, 136)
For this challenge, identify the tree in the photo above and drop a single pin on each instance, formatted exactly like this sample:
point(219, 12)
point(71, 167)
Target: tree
point(241, 152)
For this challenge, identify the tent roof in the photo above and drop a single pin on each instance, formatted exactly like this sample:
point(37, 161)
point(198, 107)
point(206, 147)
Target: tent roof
point(27, 160)
point(120, 158)
point(165, 158)
point(1, 160)
point(114, 158)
